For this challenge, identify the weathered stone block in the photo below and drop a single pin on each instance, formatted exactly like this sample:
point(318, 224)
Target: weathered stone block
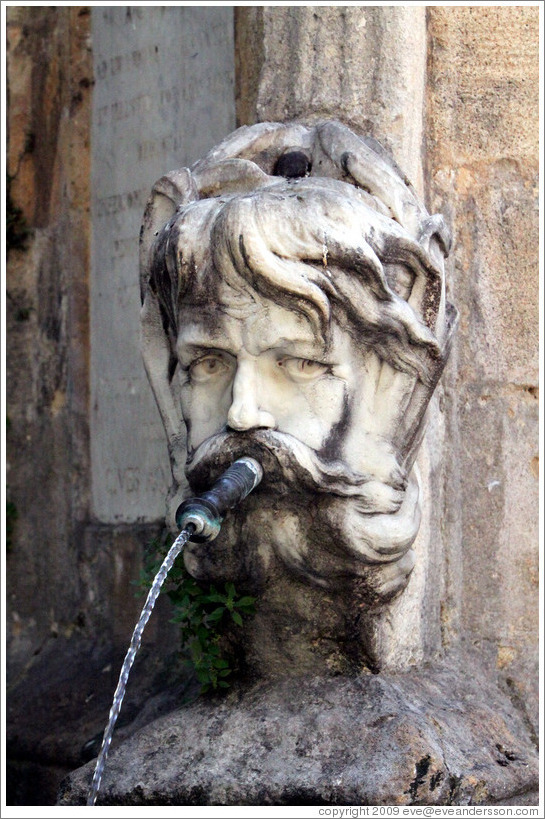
point(163, 92)
point(493, 208)
point(499, 451)
point(483, 83)
point(432, 737)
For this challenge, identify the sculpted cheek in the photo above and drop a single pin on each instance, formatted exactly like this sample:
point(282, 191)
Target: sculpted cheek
point(205, 410)
point(310, 411)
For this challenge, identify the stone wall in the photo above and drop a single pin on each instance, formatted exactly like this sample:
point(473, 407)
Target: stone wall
point(87, 89)
point(75, 551)
point(49, 91)
point(482, 166)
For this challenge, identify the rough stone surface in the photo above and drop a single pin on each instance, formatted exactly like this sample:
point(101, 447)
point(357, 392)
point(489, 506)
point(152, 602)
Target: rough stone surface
point(428, 737)
point(163, 93)
point(49, 76)
point(248, 61)
point(482, 159)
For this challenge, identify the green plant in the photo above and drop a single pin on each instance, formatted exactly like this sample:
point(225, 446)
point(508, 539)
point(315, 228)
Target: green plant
point(203, 612)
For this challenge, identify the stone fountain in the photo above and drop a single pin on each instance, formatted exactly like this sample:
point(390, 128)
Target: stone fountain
point(295, 311)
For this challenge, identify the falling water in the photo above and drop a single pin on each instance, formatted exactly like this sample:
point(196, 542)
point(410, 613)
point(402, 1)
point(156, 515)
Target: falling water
point(200, 517)
point(153, 594)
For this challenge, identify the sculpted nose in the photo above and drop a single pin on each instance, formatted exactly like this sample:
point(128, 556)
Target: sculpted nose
point(245, 412)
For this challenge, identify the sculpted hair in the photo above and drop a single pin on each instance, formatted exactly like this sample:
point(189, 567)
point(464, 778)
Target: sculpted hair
point(316, 246)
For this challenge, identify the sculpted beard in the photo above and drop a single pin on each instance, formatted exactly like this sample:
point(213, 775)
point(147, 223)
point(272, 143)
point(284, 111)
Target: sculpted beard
point(364, 529)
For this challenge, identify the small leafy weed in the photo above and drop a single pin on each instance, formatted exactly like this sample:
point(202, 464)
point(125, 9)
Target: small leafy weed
point(202, 611)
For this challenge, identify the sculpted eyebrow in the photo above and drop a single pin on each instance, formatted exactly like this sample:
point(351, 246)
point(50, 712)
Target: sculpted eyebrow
point(193, 347)
point(300, 346)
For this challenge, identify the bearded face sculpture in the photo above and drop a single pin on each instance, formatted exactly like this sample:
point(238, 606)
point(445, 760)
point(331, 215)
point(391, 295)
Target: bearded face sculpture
point(294, 310)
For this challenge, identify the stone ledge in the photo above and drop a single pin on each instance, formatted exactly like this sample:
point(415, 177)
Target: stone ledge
point(433, 736)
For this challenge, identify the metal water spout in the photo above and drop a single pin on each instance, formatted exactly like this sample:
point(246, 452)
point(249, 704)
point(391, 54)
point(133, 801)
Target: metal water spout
point(205, 513)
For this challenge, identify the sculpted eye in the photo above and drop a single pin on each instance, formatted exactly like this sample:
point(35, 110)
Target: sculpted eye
point(302, 369)
point(209, 366)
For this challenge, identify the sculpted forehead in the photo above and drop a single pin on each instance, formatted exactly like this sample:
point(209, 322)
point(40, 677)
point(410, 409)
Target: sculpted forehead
point(243, 318)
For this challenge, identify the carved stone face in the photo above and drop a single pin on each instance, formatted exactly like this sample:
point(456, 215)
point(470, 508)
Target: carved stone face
point(250, 364)
point(253, 364)
point(302, 322)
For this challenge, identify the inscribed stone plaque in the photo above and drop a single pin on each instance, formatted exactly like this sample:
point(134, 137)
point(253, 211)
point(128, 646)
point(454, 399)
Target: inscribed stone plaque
point(164, 80)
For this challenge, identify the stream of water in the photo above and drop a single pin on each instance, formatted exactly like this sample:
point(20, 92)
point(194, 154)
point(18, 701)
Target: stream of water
point(153, 594)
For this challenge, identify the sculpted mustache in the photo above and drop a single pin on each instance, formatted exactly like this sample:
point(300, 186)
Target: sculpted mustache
point(285, 461)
